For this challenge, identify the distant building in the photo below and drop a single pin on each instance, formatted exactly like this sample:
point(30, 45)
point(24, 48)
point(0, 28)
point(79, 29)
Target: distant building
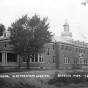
point(70, 54)
point(62, 53)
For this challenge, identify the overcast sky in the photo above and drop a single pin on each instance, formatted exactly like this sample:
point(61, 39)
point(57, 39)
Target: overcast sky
point(57, 12)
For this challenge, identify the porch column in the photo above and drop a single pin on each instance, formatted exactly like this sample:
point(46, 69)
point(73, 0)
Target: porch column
point(3, 58)
point(6, 58)
point(38, 57)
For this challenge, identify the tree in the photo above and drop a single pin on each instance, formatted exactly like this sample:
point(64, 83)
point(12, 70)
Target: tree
point(84, 2)
point(2, 29)
point(28, 36)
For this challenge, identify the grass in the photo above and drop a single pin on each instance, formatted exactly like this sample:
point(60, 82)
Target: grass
point(40, 82)
point(27, 82)
point(4, 84)
point(76, 79)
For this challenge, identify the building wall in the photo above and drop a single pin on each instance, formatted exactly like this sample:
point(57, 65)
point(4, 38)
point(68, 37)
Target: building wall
point(57, 58)
point(62, 53)
point(65, 50)
point(4, 45)
point(55, 52)
point(84, 52)
point(48, 59)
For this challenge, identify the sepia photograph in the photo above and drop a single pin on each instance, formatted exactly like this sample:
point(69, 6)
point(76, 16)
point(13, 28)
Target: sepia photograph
point(43, 43)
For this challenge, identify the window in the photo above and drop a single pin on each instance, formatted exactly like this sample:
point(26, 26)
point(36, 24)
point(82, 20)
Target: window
point(36, 58)
point(76, 49)
point(4, 44)
point(84, 61)
point(62, 47)
point(24, 59)
point(41, 58)
point(53, 47)
point(48, 51)
point(66, 59)
point(33, 59)
point(81, 51)
point(87, 51)
point(53, 59)
point(78, 61)
point(70, 48)
point(30, 59)
point(75, 60)
point(4, 34)
point(66, 48)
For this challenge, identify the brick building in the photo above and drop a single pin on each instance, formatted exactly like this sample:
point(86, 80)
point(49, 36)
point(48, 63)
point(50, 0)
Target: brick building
point(69, 53)
point(9, 59)
point(62, 53)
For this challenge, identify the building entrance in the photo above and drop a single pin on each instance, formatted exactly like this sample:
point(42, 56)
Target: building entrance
point(8, 59)
point(11, 57)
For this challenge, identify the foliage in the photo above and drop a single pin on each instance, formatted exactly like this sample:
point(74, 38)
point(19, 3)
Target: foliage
point(76, 77)
point(4, 84)
point(84, 2)
point(2, 29)
point(28, 35)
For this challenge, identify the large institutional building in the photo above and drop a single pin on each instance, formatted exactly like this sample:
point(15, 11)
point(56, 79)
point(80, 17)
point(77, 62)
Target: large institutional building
point(62, 53)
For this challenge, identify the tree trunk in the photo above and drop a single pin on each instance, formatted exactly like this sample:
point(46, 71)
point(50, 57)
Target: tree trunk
point(27, 61)
point(19, 62)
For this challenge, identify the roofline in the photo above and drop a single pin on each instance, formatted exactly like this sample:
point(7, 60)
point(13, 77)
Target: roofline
point(72, 45)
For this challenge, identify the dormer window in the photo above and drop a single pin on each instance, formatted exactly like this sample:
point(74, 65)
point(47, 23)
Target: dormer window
point(4, 34)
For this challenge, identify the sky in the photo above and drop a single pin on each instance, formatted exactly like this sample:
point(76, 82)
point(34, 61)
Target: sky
point(57, 12)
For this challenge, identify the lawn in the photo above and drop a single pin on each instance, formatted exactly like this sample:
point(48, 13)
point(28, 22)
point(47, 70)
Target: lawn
point(34, 79)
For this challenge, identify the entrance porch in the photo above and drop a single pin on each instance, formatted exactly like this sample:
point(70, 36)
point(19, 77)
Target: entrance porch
point(8, 59)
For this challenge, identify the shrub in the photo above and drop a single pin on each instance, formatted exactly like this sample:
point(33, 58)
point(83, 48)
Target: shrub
point(70, 77)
